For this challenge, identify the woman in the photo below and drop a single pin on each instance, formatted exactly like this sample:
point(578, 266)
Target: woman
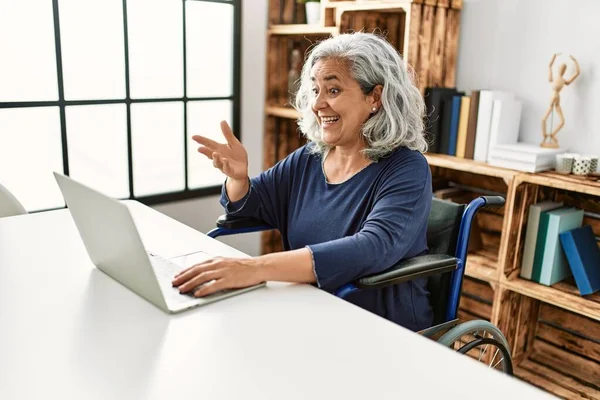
point(353, 201)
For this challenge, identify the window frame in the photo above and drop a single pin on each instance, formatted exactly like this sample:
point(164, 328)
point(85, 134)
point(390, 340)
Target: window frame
point(61, 103)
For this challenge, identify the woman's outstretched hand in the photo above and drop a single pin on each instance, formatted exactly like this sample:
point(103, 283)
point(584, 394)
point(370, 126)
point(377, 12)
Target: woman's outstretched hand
point(230, 158)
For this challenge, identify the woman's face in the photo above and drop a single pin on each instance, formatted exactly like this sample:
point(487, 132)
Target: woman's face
point(339, 104)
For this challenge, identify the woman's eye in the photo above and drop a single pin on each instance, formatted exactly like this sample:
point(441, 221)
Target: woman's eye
point(315, 91)
point(334, 91)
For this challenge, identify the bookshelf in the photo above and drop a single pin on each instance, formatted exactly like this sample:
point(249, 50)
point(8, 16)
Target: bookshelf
point(554, 332)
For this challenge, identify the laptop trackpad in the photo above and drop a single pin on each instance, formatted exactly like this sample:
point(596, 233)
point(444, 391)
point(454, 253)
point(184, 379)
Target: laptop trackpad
point(192, 259)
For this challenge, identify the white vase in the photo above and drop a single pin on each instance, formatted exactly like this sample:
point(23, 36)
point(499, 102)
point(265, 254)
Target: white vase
point(313, 12)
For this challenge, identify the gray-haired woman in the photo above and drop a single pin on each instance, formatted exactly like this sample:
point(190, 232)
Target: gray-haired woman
point(353, 201)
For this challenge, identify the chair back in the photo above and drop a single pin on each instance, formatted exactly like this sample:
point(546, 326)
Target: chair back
point(9, 205)
point(442, 235)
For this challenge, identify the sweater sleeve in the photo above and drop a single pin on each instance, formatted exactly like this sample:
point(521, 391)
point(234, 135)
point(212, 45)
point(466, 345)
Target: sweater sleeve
point(398, 216)
point(267, 198)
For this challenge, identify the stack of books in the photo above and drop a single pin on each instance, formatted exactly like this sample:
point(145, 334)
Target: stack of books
point(524, 157)
point(483, 126)
point(469, 126)
point(557, 247)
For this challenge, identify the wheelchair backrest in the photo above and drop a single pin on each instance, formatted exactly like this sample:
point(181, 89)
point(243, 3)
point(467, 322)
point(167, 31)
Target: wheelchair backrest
point(442, 235)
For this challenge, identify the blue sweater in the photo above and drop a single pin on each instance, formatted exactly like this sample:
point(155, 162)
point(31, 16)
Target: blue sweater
point(356, 228)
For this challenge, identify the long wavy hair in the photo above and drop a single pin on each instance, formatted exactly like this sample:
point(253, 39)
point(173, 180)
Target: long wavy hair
point(372, 61)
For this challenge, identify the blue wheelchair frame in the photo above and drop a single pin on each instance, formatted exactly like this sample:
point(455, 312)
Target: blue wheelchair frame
point(460, 252)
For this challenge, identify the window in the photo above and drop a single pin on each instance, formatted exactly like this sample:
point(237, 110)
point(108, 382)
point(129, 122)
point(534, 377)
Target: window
point(111, 91)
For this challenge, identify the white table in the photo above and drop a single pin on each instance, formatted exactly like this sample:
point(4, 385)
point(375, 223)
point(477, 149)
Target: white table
point(69, 331)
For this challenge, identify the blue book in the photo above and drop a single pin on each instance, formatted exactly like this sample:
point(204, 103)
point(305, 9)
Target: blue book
point(583, 256)
point(554, 266)
point(454, 119)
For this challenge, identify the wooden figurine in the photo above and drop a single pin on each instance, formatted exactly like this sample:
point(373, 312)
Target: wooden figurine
point(558, 83)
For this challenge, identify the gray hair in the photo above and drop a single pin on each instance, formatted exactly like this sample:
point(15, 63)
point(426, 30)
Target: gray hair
point(372, 61)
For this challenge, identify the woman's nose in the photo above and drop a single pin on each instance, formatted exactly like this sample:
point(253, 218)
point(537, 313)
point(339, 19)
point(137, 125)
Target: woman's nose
point(319, 102)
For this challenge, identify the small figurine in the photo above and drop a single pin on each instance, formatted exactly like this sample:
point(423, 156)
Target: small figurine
point(558, 83)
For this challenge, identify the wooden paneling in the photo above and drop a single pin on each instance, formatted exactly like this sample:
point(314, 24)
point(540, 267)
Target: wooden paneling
point(451, 48)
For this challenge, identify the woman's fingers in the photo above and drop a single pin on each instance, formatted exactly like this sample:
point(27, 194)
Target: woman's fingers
point(190, 272)
point(206, 151)
point(204, 141)
point(226, 167)
point(228, 134)
point(211, 288)
point(217, 161)
point(200, 279)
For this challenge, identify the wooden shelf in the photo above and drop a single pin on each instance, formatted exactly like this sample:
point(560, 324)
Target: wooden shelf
point(565, 182)
point(552, 381)
point(370, 5)
point(282, 112)
point(465, 165)
point(302, 29)
point(562, 295)
point(482, 265)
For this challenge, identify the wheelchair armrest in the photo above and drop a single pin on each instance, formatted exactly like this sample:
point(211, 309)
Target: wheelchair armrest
point(234, 222)
point(407, 270)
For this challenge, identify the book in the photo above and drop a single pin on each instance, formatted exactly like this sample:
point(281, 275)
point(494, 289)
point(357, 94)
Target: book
point(533, 220)
point(520, 165)
point(525, 152)
point(506, 119)
point(583, 255)
point(463, 123)
point(434, 99)
point(554, 266)
point(444, 135)
point(472, 125)
point(454, 119)
point(484, 121)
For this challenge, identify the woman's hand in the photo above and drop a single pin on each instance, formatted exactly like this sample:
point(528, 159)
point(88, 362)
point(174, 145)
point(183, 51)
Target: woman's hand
point(226, 273)
point(230, 158)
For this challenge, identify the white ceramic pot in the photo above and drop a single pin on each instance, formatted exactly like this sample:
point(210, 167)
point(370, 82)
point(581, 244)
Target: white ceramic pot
point(313, 12)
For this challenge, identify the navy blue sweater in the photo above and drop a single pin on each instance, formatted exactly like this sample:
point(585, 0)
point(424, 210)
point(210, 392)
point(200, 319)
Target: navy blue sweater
point(356, 228)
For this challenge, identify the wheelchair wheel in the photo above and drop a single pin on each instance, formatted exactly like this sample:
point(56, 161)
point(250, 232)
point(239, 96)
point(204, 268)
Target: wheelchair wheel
point(482, 341)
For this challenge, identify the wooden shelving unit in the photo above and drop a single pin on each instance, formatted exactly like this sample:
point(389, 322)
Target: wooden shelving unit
point(554, 332)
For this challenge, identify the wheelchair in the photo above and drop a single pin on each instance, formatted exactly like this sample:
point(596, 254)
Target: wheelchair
point(448, 229)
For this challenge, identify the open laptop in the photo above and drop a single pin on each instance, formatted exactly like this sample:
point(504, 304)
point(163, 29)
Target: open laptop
point(114, 245)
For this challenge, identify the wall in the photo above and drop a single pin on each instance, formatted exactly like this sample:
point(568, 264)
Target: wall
point(201, 214)
point(507, 45)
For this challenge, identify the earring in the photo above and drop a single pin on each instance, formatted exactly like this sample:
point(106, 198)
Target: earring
point(374, 109)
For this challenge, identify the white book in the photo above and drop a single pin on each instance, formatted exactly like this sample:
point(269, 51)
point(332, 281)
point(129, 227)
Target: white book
point(506, 119)
point(533, 222)
point(484, 121)
point(525, 152)
point(521, 165)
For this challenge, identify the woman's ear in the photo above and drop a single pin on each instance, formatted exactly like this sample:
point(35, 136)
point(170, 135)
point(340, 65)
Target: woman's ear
point(376, 96)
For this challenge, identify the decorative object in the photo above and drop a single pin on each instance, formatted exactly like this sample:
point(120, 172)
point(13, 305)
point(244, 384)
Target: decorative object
point(558, 83)
point(564, 163)
point(581, 165)
point(313, 11)
point(594, 162)
point(294, 75)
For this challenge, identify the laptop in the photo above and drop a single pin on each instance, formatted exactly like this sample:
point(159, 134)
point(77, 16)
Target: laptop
point(114, 245)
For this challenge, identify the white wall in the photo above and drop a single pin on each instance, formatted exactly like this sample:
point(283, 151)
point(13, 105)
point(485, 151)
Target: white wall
point(201, 214)
point(507, 45)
